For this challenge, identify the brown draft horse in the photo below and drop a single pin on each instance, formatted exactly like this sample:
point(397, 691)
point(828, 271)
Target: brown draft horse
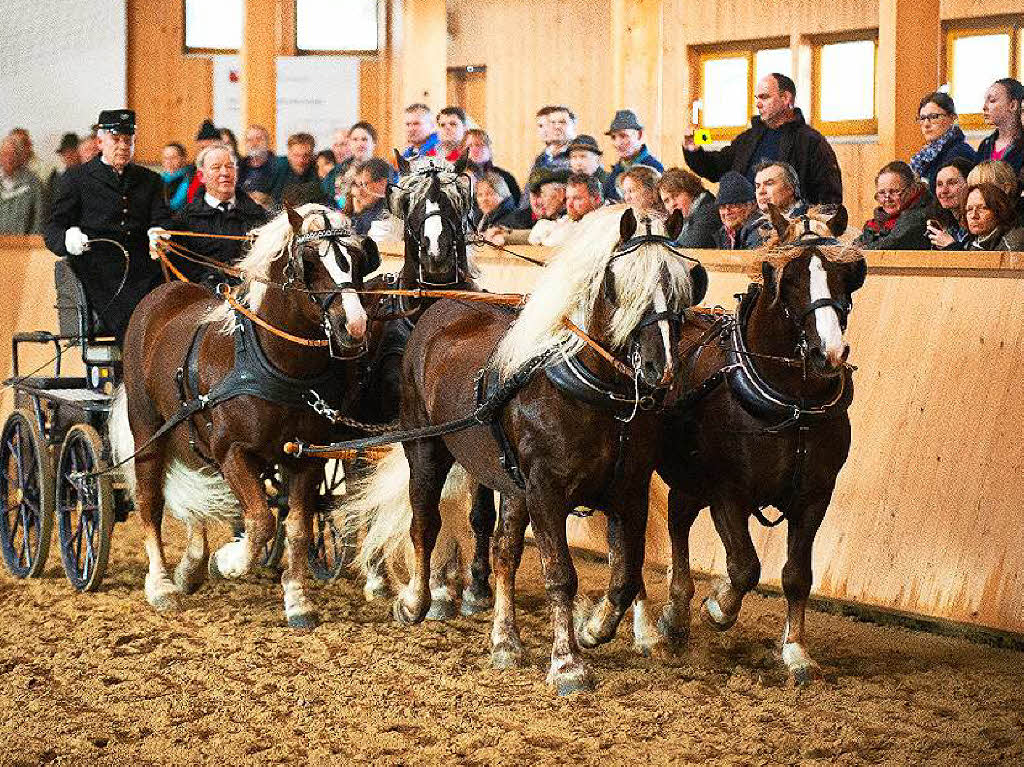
point(572, 426)
point(300, 278)
point(775, 433)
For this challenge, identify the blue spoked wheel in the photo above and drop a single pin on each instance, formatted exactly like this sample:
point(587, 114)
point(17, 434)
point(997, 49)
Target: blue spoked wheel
point(330, 551)
point(85, 508)
point(26, 487)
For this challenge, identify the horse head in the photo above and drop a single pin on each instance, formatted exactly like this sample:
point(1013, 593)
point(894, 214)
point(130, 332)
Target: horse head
point(811, 278)
point(330, 261)
point(433, 198)
point(647, 284)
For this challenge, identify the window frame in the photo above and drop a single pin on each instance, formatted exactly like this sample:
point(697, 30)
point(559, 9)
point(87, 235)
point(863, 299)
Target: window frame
point(733, 50)
point(381, 37)
point(976, 120)
point(190, 50)
point(862, 127)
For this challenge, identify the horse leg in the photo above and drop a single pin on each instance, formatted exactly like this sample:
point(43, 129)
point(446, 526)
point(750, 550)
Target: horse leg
point(236, 558)
point(796, 584)
point(444, 584)
point(190, 573)
point(506, 645)
point(674, 623)
point(161, 592)
point(376, 586)
point(429, 463)
point(626, 527)
point(722, 606)
point(568, 672)
point(302, 498)
point(478, 596)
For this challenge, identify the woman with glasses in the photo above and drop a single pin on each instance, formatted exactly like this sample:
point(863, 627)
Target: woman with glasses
point(991, 220)
point(944, 140)
point(1002, 108)
point(902, 212)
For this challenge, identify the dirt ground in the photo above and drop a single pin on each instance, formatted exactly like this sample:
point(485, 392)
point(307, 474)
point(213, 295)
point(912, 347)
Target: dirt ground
point(101, 679)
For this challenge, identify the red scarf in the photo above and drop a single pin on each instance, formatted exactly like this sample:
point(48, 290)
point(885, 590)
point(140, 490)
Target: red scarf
point(883, 222)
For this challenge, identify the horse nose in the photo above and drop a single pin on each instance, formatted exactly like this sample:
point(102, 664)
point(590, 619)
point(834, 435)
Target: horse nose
point(355, 326)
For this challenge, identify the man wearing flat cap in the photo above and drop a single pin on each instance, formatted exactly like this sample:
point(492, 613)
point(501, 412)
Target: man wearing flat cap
point(627, 134)
point(109, 197)
point(585, 158)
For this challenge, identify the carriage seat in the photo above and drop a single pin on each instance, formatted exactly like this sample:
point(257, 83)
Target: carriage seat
point(77, 319)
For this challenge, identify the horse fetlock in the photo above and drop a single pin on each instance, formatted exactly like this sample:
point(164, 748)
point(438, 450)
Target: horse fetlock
point(508, 653)
point(190, 574)
point(162, 594)
point(442, 605)
point(570, 675)
point(713, 615)
point(376, 587)
point(476, 599)
point(675, 627)
point(231, 560)
point(647, 640)
point(802, 668)
point(600, 627)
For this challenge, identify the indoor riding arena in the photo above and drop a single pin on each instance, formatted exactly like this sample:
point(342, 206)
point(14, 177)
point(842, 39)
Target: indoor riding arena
point(412, 382)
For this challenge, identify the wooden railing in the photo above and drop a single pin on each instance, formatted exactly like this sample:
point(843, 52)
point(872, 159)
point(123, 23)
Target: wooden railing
point(928, 514)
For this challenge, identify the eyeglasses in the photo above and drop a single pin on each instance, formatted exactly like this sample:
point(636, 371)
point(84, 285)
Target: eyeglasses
point(883, 194)
point(931, 118)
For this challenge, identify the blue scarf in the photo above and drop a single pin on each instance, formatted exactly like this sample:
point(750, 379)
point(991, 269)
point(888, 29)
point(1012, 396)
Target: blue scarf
point(927, 154)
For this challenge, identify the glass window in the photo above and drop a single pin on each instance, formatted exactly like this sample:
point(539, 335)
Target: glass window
point(773, 60)
point(336, 25)
point(213, 24)
point(724, 91)
point(847, 82)
point(978, 61)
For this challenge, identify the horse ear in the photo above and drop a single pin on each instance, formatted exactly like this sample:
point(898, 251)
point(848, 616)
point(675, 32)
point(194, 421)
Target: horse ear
point(395, 198)
point(699, 283)
point(838, 221)
point(293, 218)
point(674, 225)
point(768, 279)
point(401, 163)
point(627, 225)
point(371, 256)
point(857, 275)
point(779, 221)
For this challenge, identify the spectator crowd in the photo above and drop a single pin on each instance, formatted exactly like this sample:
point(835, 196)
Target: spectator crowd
point(948, 195)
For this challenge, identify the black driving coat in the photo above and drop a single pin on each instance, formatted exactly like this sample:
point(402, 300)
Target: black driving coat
point(122, 208)
point(198, 216)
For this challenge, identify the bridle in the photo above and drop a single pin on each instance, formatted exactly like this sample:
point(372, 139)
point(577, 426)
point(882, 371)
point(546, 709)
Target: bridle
point(295, 271)
point(458, 236)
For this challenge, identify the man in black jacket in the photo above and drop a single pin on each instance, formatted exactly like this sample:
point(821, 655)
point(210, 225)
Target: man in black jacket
point(221, 210)
point(112, 198)
point(778, 133)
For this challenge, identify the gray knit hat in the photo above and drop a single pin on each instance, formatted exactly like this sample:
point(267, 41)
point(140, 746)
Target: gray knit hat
point(733, 188)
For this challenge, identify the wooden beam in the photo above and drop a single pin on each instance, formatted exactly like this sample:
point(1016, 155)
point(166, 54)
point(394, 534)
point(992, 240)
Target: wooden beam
point(259, 65)
point(908, 67)
point(637, 58)
point(418, 54)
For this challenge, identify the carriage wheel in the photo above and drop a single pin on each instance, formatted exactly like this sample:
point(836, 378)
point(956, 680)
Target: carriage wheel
point(85, 508)
point(329, 551)
point(26, 485)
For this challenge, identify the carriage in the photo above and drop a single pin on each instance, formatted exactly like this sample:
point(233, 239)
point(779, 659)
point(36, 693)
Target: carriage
point(55, 459)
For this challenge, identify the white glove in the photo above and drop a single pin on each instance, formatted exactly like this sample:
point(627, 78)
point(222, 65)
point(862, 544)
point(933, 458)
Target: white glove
point(75, 241)
point(156, 234)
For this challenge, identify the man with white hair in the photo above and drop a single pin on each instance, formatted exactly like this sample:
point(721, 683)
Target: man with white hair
point(223, 209)
point(110, 198)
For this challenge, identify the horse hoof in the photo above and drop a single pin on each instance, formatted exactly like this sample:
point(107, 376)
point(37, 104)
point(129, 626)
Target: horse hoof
point(803, 675)
point(305, 621)
point(587, 640)
point(507, 656)
point(676, 639)
point(214, 571)
point(441, 610)
point(713, 616)
point(189, 584)
point(474, 602)
point(168, 602)
point(401, 614)
point(570, 683)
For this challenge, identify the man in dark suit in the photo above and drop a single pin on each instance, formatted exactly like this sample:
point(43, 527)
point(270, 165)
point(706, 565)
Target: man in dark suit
point(111, 198)
point(220, 210)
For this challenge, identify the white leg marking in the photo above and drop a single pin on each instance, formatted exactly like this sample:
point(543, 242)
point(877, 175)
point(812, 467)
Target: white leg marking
point(158, 585)
point(233, 557)
point(645, 632)
point(826, 320)
point(295, 601)
point(715, 610)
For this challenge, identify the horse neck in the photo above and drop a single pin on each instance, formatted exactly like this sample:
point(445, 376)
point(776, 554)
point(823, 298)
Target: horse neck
point(281, 308)
point(771, 333)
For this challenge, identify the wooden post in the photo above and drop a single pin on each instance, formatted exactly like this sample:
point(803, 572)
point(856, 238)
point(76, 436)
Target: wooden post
point(637, 57)
point(907, 68)
point(418, 59)
point(259, 65)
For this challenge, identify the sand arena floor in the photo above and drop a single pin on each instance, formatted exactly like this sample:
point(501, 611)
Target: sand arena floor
point(101, 679)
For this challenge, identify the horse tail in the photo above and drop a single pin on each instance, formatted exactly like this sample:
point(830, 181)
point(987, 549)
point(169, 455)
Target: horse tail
point(122, 441)
point(380, 503)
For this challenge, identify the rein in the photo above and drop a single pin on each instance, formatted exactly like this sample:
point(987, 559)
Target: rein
point(225, 292)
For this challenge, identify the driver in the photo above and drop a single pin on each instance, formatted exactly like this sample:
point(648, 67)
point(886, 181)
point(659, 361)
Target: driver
point(112, 198)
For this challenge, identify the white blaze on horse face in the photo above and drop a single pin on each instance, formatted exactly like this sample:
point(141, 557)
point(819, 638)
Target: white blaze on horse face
point(826, 318)
point(355, 315)
point(660, 306)
point(432, 229)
